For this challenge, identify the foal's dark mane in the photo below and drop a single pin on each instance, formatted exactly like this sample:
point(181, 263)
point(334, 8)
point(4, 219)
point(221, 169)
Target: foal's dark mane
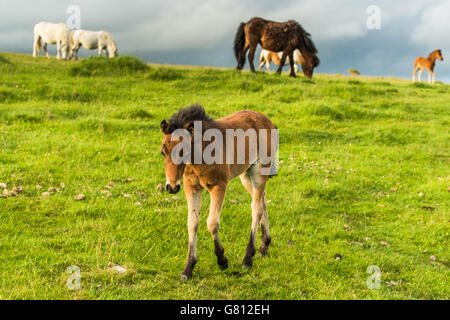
point(434, 52)
point(184, 116)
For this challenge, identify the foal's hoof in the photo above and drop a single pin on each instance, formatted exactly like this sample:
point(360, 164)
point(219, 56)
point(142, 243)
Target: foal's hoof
point(185, 277)
point(247, 263)
point(292, 75)
point(223, 263)
point(263, 251)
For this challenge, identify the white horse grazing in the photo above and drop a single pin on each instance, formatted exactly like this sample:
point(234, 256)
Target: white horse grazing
point(268, 56)
point(51, 33)
point(92, 40)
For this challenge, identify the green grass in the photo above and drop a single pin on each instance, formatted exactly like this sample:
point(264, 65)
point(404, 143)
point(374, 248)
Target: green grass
point(364, 160)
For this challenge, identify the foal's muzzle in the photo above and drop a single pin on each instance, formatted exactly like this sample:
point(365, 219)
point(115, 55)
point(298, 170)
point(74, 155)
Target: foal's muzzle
point(173, 190)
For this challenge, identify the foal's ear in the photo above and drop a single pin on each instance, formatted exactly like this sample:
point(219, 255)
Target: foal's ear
point(190, 127)
point(164, 126)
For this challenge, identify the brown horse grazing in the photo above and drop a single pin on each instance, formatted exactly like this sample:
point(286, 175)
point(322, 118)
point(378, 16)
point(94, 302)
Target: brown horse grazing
point(275, 36)
point(199, 174)
point(428, 64)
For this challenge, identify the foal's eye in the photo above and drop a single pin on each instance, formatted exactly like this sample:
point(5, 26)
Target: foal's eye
point(162, 153)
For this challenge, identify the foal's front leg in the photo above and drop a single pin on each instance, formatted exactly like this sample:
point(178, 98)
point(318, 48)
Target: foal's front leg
point(217, 195)
point(194, 200)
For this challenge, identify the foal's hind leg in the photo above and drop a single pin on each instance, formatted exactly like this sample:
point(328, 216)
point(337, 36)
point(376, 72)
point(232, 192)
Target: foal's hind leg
point(258, 208)
point(217, 196)
point(265, 234)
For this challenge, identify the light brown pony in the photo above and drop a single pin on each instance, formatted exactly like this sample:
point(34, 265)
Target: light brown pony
point(428, 64)
point(215, 177)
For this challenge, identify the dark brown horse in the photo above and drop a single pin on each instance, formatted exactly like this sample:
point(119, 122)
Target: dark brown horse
point(275, 36)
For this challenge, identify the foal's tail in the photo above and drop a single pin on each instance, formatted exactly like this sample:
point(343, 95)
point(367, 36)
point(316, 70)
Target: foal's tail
point(275, 161)
point(239, 44)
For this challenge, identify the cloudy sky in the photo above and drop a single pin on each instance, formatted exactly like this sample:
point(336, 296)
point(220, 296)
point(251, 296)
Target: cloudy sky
point(201, 32)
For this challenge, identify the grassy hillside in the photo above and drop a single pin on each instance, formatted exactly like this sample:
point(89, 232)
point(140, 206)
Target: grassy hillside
point(364, 174)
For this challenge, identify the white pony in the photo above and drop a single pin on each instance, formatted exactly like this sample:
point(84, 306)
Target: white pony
point(91, 40)
point(51, 33)
point(268, 56)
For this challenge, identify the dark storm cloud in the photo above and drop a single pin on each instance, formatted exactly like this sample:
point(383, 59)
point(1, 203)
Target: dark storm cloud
point(201, 32)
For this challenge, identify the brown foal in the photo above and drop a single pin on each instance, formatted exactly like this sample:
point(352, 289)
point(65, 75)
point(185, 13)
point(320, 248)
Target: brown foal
point(214, 177)
point(427, 64)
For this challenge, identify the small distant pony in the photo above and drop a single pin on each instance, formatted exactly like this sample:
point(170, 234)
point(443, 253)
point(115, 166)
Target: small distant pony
point(51, 33)
point(267, 57)
point(354, 72)
point(92, 40)
point(428, 64)
point(275, 36)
